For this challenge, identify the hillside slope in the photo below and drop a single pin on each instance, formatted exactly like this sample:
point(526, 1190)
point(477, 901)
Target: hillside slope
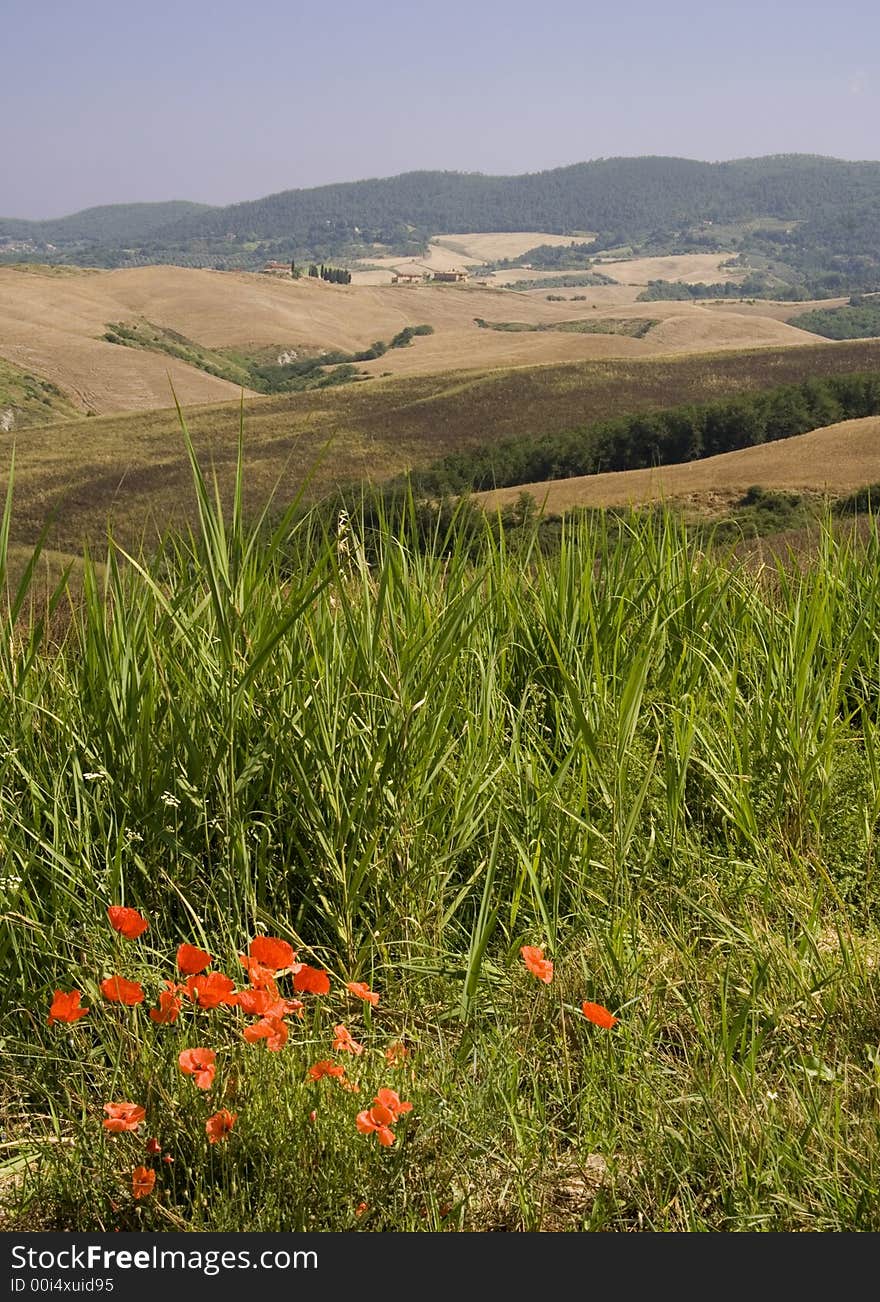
point(134, 468)
point(635, 194)
point(116, 223)
point(54, 325)
point(835, 459)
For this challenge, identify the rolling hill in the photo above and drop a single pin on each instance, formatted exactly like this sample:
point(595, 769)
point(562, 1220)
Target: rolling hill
point(54, 324)
point(132, 468)
point(836, 459)
point(636, 195)
point(109, 224)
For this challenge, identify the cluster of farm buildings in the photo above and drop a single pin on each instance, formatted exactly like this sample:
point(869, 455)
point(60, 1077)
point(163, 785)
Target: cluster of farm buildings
point(410, 275)
point(419, 275)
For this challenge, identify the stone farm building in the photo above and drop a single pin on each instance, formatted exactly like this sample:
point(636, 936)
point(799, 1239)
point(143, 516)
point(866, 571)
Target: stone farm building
point(410, 276)
point(276, 269)
point(418, 276)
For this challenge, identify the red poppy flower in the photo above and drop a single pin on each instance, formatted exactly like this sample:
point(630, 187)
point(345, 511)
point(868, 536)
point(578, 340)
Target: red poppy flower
point(128, 922)
point(260, 976)
point(365, 1123)
point(212, 990)
point(360, 1209)
point(65, 1007)
point(200, 1064)
point(154, 1148)
point(363, 991)
point(311, 979)
point(599, 1015)
point(344, 1041)
point(123, 1116)
point(325, 1068)
point(390, 1099)
point(169, 1006)
point(142, 1181)
point(190, 960)
point(368, 1125)
point(272, 953)
point(286, 1008)
point(219, 1126)
point(380, 1115)
point(395, 1053)
point(538, 965)
point(120, 991)
point(254, 1003)
point(271, 1029)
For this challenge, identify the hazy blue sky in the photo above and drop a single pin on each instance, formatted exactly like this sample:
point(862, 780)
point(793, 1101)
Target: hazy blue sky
point(114, 102)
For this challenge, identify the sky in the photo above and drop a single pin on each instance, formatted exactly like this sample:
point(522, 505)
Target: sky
point(225, 101)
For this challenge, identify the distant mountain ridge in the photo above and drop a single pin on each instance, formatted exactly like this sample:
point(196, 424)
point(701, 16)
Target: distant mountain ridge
point(833, 204)
point(108, 223)
point(647, 191)
point(636, 193)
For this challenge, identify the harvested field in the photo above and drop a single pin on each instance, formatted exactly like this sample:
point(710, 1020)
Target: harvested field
point(492, 246)
point(690, 268)
point(460, 251)
point(698, 330)
point(835, 460)
point(52, 326)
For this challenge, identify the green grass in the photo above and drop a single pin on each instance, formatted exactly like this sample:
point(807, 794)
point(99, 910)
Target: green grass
point(636, 328)
point(26, 400)
point(660, 764)
point(310, 368)
point(759, 513)
point(161, 339)
point(575, 280)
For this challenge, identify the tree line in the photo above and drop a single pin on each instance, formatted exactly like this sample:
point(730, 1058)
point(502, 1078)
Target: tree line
point(666, 437)
point(334, 275)
point(860, 319)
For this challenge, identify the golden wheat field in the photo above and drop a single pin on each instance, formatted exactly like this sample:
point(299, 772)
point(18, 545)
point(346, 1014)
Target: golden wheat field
point(460, 251)
point(835, 459)
point(691, 268)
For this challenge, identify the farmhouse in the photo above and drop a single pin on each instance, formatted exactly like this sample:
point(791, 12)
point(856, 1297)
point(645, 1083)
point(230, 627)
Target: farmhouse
point(409, 276)
point(276, 269)
point(452, 275)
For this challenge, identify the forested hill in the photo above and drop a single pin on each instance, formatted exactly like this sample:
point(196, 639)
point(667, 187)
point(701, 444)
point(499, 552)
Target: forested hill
point(819, 218)
point(117, 223)
point(633, 195)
